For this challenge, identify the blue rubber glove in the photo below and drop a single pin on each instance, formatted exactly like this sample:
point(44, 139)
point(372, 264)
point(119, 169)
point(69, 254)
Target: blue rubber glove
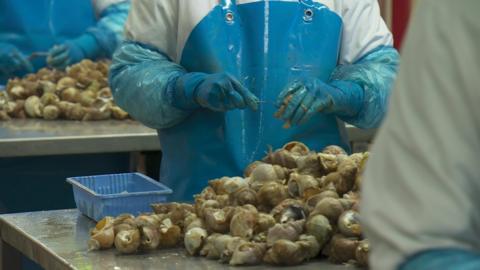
point(218, 92)
point(12, 61)
point(305, 97)
point(72, 51)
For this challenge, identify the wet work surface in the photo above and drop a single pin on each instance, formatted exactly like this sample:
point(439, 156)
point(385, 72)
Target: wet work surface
point(36, 137)
point(58, 240)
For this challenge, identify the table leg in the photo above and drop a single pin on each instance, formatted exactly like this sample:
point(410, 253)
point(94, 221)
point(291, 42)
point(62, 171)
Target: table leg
point(10, 258)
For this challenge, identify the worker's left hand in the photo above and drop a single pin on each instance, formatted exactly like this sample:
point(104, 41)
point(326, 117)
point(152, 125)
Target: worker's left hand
point(305, 97)
point(72, 51)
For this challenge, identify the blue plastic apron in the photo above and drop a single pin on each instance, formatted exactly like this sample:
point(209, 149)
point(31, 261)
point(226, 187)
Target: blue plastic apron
point(37, 25)
point(266, 45)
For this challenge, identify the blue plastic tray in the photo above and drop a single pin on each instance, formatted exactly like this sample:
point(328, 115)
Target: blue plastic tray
point(113, 194)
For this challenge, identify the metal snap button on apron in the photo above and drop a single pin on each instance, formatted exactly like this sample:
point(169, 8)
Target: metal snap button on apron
point(308, 15)
point(229, 16)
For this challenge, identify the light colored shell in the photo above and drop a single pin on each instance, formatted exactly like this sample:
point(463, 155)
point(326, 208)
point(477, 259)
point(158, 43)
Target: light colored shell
point(243, 196)
point(70, 94)
point(208, 250)
point(265, 173)
point(65, 82)
point(33, 107)
point(243, 223)
point(299, 184)
point(48, 87)
point(331, 208)
point(217, 220)
point(127, 241)
point(194, 240)
point(102, 236)
point(49, 99)
point(265, 222)
point(271, 194)
point(51, 112)
point(150, 238)
point(349, 224)
point(170, 234)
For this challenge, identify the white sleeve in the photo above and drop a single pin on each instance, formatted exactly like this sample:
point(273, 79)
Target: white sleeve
point(165, 24)
point(422, 183)
point(155, 23)
point(363, 29)
point(101, 5)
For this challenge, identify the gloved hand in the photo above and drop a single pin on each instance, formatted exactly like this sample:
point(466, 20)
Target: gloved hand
point(218, 92)
point(305, 97)
point(12, 62)
point(72, 51)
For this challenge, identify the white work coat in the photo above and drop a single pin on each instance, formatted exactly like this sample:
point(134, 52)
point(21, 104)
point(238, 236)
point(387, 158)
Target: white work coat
point(422, 183)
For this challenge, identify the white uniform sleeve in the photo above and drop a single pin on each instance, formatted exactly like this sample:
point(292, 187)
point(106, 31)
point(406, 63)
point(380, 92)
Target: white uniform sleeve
point(101, 5)
point(363, 29)
point(155, 23)
point(165, 24)
point(422, 182)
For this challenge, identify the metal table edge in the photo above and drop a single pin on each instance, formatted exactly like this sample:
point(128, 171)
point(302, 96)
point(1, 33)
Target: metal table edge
point(14, 236)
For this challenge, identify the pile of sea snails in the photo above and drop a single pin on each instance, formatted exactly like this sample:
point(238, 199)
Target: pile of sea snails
point(79, 93)
point(293, 206)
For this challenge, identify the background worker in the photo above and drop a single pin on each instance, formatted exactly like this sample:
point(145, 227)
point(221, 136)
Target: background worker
point(34, 33)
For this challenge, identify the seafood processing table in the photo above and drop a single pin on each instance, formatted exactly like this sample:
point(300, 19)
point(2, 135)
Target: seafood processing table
point(34, 137)
point(58, 240)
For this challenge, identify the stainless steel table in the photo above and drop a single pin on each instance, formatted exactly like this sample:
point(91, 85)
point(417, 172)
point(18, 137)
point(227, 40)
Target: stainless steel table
point(35, 137)
point(58, 240)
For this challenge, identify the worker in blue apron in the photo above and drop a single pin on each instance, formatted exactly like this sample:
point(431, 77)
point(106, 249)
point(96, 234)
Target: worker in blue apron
point(34, 33)
point(210, 76)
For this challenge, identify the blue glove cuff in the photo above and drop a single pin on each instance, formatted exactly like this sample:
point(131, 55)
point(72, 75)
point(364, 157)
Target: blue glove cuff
point(182, 91)
point(347, 97)
point(88, 45)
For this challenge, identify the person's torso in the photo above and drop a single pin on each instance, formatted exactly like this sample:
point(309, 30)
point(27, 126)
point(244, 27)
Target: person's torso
point(265, 44)
point(37, 25)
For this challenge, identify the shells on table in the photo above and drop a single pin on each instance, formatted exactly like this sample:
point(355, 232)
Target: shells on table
point(84, 85)
point(274, 214)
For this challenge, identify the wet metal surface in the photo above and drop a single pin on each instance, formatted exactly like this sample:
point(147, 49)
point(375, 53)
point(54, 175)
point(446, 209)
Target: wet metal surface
point(34, 137)
point(58, 240)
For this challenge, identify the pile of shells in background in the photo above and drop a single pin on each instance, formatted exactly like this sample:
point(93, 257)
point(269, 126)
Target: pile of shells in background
point(79, 93)
point(293, 206)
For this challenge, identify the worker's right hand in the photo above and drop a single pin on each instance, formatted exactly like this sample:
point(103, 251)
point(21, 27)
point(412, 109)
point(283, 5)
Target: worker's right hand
point(218, 92)
point(12, 62)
